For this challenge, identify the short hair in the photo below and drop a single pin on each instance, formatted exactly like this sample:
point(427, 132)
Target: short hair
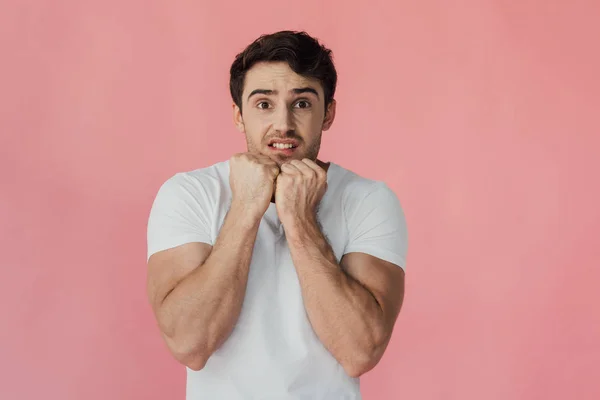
point(303, 53)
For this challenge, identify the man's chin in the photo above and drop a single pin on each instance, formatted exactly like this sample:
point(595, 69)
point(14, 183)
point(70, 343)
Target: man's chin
point(281, 159)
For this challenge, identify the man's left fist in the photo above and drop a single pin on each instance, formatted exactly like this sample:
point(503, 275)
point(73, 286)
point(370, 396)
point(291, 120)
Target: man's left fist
point(299, 189)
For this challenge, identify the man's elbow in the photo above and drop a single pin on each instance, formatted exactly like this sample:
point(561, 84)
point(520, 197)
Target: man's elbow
point(194, 361)
point(361, 362)
point(359, 365)
point(192, 357)
point(363, 357)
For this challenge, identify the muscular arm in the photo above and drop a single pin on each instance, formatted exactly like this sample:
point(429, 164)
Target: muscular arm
point(353, 306)
point(196, 291)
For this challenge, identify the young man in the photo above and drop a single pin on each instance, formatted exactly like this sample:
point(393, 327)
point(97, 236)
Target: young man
point(275, 275)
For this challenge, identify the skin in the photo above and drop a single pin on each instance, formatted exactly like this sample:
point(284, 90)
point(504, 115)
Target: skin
point(197, 291)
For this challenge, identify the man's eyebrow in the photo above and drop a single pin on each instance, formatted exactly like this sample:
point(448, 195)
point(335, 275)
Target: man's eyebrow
point(261, 91)
point(269, 92)
point(306, 90)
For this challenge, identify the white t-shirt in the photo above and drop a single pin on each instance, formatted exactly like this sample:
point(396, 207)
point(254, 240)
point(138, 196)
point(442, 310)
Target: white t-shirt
point(273, 352)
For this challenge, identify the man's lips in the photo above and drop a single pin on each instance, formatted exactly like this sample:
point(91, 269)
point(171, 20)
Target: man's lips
point(284, 150)
point(285, 146)
point(293, 142)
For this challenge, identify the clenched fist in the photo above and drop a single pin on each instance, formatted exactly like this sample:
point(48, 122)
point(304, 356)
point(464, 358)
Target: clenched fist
point(252, 178)
point(300, 187)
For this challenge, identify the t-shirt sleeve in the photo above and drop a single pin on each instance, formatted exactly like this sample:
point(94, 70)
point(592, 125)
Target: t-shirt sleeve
point(377, 226)
point(180, 214)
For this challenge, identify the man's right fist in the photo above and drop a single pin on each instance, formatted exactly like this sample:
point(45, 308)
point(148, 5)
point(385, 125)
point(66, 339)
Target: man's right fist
point(252, 179)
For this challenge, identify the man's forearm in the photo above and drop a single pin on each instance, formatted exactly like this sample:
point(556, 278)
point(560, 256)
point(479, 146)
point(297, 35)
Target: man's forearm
point(201, 311)
point(345, 315)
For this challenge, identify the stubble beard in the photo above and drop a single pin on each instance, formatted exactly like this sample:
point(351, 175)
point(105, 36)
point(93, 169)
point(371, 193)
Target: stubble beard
point(311, 152)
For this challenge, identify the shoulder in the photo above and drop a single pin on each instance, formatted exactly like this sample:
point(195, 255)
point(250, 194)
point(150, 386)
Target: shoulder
point(375, 219)
point(355, 188)
point(208, 179)
point(201, 187)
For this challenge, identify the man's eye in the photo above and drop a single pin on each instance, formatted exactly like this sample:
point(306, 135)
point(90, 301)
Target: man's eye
point(303, 104)
point(263, 105)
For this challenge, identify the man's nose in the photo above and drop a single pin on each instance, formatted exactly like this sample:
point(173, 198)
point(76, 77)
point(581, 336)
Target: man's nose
point(284, 120)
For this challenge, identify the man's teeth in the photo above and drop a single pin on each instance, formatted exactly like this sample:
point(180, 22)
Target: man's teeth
point(282, 146)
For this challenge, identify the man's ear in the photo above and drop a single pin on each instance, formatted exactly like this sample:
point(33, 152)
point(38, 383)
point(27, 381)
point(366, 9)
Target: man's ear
point(329, 115)
point(238, 120)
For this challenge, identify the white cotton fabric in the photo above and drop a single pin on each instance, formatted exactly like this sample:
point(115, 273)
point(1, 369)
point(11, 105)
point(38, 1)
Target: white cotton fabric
point(273, 352)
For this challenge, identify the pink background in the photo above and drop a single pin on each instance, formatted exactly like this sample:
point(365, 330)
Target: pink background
point(482, 116)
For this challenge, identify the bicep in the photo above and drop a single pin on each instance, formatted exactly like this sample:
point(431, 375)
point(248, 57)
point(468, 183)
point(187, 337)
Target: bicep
point(169, 267)
point(383, 279)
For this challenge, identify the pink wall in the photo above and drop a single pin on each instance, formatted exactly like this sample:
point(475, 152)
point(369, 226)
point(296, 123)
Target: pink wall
point(482, 115)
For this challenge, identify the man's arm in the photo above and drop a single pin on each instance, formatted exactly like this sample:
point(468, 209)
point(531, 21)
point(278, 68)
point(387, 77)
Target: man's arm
point(196, 291)
point(352, 306)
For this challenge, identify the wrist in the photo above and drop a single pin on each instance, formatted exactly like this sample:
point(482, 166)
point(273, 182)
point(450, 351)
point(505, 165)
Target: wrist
point(244, 214)
point(297, 227)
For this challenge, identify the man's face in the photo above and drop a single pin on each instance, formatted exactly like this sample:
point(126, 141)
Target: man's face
point(283, 113)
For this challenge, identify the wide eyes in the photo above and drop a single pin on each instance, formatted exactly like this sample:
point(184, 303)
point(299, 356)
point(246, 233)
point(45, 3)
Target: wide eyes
point(300, 104)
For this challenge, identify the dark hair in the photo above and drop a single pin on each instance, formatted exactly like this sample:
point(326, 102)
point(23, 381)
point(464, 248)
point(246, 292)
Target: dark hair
point(303, 53)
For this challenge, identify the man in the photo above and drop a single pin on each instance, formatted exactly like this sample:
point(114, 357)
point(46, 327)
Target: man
point(275, 275)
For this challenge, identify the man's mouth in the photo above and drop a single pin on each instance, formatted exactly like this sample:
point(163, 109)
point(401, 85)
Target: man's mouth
point(283, 146)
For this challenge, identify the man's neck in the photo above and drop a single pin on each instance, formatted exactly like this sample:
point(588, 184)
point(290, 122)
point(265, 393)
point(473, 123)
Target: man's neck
point(323, 165)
